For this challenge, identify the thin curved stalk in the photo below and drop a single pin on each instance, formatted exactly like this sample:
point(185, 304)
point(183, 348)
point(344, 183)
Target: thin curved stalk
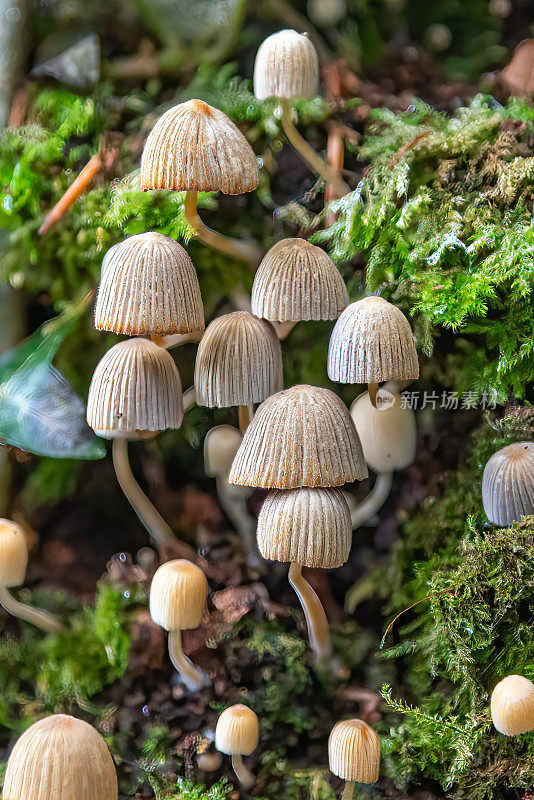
point(247, 251)
point(246, 778)
point(233, 500)
point(348, 791)
point(374, 500)
point(246, 415)
point(41, 619)
point(318, 630)
point(308, 153)
point(192, 676)
point(189, 398)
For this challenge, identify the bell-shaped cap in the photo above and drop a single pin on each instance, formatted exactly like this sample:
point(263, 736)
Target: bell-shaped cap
point(512, 705)
point(135, 388)
point(59, 758)
point(311, 527)
point(372, 342)
point(508, 484)
point(239, 361)
point(195, 146)
point(388, 432)
point(518, 75)
point(298, 281)
point(238, 731)
point(178, 595)
point(354, 751)
point(220, 446)
point(13, 554)
point(303, 436)
point(149, 285)
point(286, 66)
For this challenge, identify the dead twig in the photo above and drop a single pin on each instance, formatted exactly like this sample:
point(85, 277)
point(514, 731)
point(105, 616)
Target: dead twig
point(401, 152)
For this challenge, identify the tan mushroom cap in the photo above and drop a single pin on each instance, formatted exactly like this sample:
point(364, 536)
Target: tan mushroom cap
point(149, 285)
point(194, 146)
point(303, 436)
point(298, 281)
point(311, 527)
point(519, 73)
point(512, 705)
point(220, 446)
point(178, 595)
point(13, 554)
point(238, 731)
point(508, 484)
point(354, 751)
point(388, 432)
point(239, 361)
point(60, 758)
point(135, 387)
point(372, 342)
point(286, 66)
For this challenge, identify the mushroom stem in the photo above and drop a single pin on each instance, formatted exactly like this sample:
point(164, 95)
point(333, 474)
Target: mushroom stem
point(283, 329)
point(373, 391)
point(374, 500)
point(41, 619)
point(189, 398)
point(247, 251)
point(192, 676)
point(233, 499)
point(246, 414)
point(308, 153)
point(246, 778)
point(348, 791)
point(318, 630)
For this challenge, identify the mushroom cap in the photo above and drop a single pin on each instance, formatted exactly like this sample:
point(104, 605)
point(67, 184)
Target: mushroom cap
point(178, 595)
point(519, 73)
point(239, 361)
point(354, 751)
point(238, 731)
point(135, 387)
point(508, 484)
point(311, 527)
point(286, 66)
point(298, 281)
point(220, 446)
point(388, 433)
point(512, 705)
point(13, 554)
point(372, 342)
point(60, 758)
point(196, 147)
point(303, 436)
point(149, 285)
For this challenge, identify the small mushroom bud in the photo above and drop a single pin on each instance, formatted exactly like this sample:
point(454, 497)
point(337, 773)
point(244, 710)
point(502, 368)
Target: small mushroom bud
point(237, 734)
point(354, 754)
point(220, 446)
point(512, 705)
point(508, 484)
point(177, 598)
point(60, 757)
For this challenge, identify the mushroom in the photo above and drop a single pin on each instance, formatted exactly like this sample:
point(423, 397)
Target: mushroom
point(310, 528)
point(354, 754)
point(13, 563)
point(196, 148)
point(372, 342)
point(287, 68)
point(512, 705)
point(237, 735)
point(60, 757)
point(518, 75)
point(136, 392)
point(177, 598)
point(389, 438)
point(508, 484)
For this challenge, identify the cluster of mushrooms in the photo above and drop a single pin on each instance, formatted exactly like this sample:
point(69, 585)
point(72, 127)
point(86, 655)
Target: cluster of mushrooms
point(301, 443)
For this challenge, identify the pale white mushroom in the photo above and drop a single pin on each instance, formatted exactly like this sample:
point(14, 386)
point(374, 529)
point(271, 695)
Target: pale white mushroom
point(508, 484)
point(512, 705)
point(237, 734)
point(354, 754)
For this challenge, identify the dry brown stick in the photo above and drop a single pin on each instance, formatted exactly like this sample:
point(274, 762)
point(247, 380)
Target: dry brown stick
point(335, 155)
point(408, 146)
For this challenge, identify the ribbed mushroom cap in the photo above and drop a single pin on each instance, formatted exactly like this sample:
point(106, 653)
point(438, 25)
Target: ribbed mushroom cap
point(298, 281)
point(177, 595)
point(220, 446)
point(303, 436)
point(13, 554)
point(388, 432)
point(508, 484)
point(354, 751)
point(311, 527)
point(135, 387)
point(512, 705)
point(195, 146)
point(149, 285)
point(372, 342)
point(286, 66)
point(60, 758)
point(238, 731)
point(239, 361)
